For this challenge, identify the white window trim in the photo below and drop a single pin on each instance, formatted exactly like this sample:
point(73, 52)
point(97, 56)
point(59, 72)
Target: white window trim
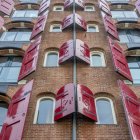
point(53, 25)
point(102, 57)
point(93, 8)
point(112, 109)
point(45, 59)
point(37, 107)
point(58, 6)
point(93, 25)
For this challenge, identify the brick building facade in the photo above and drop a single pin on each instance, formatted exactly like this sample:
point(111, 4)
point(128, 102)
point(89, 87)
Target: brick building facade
point(69, 69)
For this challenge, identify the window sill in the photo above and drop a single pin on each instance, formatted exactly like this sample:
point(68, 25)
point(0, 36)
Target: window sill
point(106, 124)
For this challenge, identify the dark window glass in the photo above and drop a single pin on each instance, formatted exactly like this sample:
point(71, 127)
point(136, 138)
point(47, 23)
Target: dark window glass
point(104, 111)
point(3, 112)
point(9, 69)
point(45, 111)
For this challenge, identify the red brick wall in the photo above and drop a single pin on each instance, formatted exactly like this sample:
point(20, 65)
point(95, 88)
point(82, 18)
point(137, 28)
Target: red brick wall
point(102, 81)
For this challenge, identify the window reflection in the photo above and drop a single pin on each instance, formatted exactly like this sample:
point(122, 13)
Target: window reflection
point(45, 111)
point(51, 59)
point(16, 35)
point(129, 36)
point(104, 111)
point(25, 13)
point(134, 66)
point(124, 14)
point(10, 68)
point(97, 59)
point(3, 112)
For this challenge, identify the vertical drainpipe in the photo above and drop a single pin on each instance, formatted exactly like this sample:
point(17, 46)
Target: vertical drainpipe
point(74, 120)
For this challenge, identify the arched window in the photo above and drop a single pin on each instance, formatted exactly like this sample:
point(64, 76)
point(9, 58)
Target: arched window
point(51, 59)
point(56, 28)
point(97, 59)
point(105, 111)
point(92, 28)
point(44, 111)
point(89, 8)
point(3, 112)
point(9, 68)
point(58, 8)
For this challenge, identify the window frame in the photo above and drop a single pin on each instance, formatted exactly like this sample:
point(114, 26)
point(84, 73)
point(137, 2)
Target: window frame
point(112, 109)
point(45, 59)
point(93, 8)
point(102, 58)
point(37, 108)
point(93, 25)
point(53, 25)
point(58, 6)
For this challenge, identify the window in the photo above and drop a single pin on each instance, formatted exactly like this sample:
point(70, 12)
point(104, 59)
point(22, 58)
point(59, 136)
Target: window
point(97, 59)
point(30, 1)
point(9, 68)
point(25, 13)
point(105, 111)
point(58, 8)
point(44, 111)
point(56, 28)
point(124, 14)
point(118, 1)
point(51, 59)
point(3, 113)
point(16, 35)
point(92, 28)
point(89, 8)
point(129, 36)
point(134, 66)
